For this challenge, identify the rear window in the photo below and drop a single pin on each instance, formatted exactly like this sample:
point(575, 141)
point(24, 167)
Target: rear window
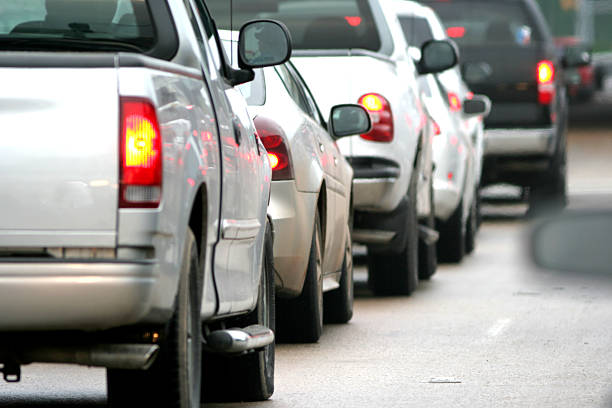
point(487, 23)
point(314, 24)
point(123, 25)
point(416, 30)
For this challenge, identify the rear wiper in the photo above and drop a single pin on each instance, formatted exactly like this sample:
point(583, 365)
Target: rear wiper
point(68, 43)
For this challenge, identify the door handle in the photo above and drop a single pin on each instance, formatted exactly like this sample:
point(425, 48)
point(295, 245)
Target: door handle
point(237, 133)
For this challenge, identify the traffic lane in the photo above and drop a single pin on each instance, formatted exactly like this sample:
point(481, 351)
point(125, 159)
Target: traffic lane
point(54, 386)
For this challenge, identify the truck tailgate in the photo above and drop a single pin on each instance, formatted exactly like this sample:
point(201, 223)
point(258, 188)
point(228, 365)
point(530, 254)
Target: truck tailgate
point(509, 78)
point(58, 157)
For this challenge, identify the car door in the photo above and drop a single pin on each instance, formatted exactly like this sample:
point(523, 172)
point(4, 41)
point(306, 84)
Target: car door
point(338, 182)
point(236, 259)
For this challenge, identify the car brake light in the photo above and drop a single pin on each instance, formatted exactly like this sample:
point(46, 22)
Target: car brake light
point(381, 115)
point(455, 32)
point(141, 155)
point(453, 102)
point(273, 138)
point(546, 86)
point(436, 128)
point(354, 21)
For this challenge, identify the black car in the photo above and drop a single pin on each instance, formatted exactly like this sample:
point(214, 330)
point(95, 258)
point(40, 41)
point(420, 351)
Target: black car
point(508, 53)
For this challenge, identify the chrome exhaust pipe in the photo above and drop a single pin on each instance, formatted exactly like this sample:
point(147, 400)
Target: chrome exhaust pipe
point(117, 356)
point(235, 341)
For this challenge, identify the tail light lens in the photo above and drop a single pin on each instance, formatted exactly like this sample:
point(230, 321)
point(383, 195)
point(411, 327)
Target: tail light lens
point(273, 138)
point(454, 102)
point(455, 32)
point(382, 117)
point(546, 86)
point(141, 155)
point(436, 128)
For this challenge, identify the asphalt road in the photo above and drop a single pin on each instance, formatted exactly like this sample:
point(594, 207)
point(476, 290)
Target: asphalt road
point(490, 332)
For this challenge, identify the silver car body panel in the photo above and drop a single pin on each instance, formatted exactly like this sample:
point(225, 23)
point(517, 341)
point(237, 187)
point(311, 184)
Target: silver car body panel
point(74, 296)
point(292, 212)
point(317, 163)
point(59, 169)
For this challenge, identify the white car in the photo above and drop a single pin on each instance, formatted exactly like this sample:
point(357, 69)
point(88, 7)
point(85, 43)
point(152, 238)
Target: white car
point(354, 50)
point(458, 148)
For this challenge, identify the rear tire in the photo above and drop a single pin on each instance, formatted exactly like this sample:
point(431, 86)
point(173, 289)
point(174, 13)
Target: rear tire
point(471, 227)
point(392, 273)
point(174, 378)
point(249, 377)
point(338, 304)
point(451, 245)
point(300, 320)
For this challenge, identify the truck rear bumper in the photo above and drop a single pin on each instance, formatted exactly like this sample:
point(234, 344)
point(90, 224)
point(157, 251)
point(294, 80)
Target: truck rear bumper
point(60, 295)
point(519, 141)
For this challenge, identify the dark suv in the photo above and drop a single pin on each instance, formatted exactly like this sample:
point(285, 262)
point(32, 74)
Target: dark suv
point(508, 53)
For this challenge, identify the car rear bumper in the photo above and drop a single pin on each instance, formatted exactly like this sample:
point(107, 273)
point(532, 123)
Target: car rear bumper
point(377, 184)
point(519, 141)
point(87, 295)
point(292, 214)
point(447, 196)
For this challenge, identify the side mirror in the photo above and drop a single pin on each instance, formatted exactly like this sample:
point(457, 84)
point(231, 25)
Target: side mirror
point(576, 56)
point(437, 56)
point(579, 242)
point(263, 43)
point(348, 120)
point(479, 105)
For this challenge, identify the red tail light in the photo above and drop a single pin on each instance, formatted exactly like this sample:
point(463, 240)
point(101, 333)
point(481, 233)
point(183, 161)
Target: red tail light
point(455, 32)
point(273, 138)
point(436, 128)
point(454, 102)
point(546, 86)
point(141, 155)
point(382, 117)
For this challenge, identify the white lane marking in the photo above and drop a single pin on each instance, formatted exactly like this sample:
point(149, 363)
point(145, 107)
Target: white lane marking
point(499, 327)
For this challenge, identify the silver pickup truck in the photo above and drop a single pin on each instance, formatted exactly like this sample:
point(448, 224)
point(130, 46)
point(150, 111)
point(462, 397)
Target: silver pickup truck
point(134, 191)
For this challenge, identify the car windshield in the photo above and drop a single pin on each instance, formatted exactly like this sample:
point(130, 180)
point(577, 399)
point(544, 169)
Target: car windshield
point(416, 30)
point(487, 23)
point(61, 24)
point(314, 24)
